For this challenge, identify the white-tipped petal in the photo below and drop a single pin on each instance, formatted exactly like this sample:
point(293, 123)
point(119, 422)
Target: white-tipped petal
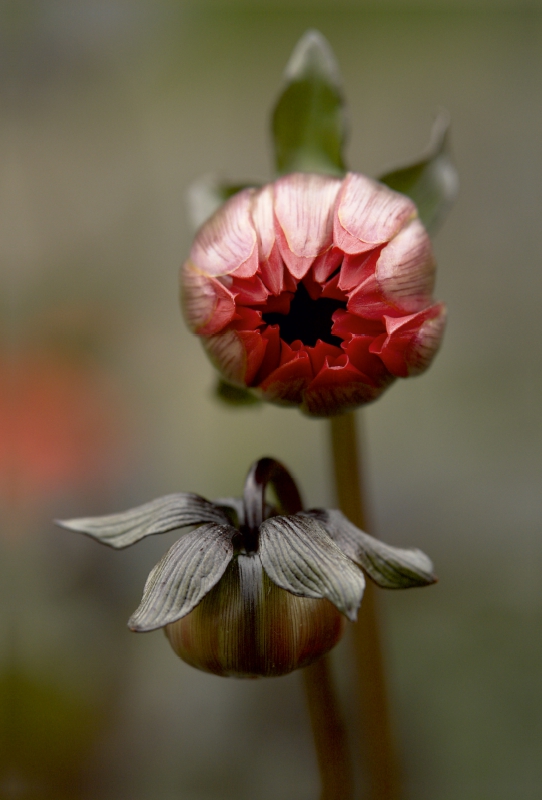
point(208, 305)
point(227, 243)
point(264, 220)
point(236, 354)
point(299, 556)
point(426, 343)
point(304, 205)
point(389, 567)
point(160, 515)
point(183, 577)
point(405, 270)
point(368, 214)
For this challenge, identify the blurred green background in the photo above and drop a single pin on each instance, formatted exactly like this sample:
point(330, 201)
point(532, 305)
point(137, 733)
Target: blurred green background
point(110, 108)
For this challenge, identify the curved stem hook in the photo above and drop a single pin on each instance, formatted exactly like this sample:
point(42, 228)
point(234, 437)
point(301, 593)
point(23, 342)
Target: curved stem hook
point(263, 472)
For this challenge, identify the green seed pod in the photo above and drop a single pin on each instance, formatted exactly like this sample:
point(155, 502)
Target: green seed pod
point(247, 626)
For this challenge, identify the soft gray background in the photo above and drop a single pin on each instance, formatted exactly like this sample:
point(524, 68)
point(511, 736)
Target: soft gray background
point(110, 110)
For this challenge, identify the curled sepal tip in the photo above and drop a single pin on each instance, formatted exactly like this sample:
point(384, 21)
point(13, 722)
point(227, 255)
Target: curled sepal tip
point(187, 572)
point(299, 556)
point(158, 516)
point(389, 567)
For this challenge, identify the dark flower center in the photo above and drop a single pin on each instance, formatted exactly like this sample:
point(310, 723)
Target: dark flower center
point(307, 320)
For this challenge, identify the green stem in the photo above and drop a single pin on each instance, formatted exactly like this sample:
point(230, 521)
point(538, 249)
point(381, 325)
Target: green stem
point(329, 732)
point(377, 749)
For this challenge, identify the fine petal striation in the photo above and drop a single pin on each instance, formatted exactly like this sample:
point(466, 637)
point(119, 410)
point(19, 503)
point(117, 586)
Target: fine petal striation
point(187, 572)
point(389, 567)
point(160, 515)
point(227, 242)
point(368, 214)
point(304, 210)
point(299, 556)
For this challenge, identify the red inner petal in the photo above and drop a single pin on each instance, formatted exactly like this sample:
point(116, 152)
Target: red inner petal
point(249, 291)
point(266, 302)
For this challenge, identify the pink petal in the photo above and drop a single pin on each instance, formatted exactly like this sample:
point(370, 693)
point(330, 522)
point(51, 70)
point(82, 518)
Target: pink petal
point(237, 354)
point(272, 353)
point(279, 305)
point(248, 290)
point(347, 325)
point(369, 301)
point(403, 278)
point(405, 270)
point(359, 352)
point(313, 287)
point(286, 384)
point(208, 305)
point(272, 272)
point(255, 346)
point(356, 269)
point(338, 387)
point(246, 319)
point(263, 220)
point(270, 262)
point(411, 342)
point(227, 242)
point(331, 289)
point(326, 264)
point(368, 214)
point(304, 213)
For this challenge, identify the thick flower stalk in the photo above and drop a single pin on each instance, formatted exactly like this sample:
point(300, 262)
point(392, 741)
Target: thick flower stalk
point(250, 591)
point(315, 291)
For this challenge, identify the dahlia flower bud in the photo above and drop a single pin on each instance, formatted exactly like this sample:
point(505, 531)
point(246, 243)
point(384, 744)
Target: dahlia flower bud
point(315, 291)
point(251, 592)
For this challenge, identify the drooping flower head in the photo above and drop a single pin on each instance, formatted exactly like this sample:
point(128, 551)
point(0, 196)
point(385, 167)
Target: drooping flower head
point(251, 591)
point(315, 291)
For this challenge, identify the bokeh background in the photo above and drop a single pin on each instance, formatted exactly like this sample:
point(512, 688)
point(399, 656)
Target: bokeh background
point(110, 108)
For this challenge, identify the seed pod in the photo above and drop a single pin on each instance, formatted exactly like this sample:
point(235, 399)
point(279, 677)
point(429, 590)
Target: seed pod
point(248, 627)
point(251, 592)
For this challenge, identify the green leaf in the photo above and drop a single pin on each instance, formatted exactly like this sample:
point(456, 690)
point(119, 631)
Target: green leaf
point(308, 121)
point(235, 395)
point(431, 182)
point(207, 194)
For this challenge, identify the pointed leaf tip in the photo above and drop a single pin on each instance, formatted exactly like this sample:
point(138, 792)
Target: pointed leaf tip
point(308, 121)
point(432, 182)
point(313, 55)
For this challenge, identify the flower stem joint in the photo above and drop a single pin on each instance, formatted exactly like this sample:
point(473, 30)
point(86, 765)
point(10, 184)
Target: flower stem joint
point(250, 591)
point(315, 291)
